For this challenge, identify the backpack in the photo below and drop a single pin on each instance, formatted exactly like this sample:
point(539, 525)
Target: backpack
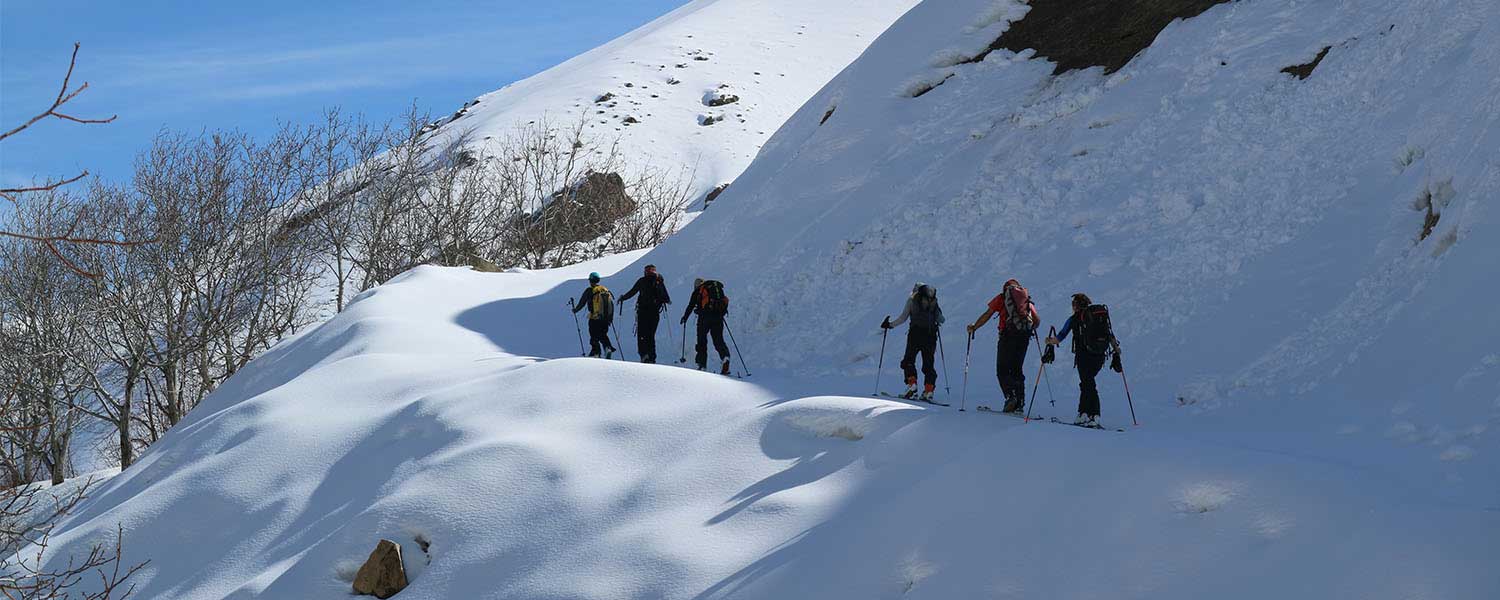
point(711, 298)
point(925, 309)
point(602, 306)
point(1018, 310)
point(1094, 332)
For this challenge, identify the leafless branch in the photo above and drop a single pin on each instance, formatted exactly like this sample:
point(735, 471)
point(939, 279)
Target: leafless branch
point(63, 97)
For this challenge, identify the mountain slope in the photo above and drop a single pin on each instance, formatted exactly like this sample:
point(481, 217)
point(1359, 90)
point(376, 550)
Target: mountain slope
point(1258, 236)
point(770, 54)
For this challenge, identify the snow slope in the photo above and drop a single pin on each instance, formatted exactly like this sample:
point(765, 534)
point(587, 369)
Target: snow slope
point(771, 54)
point(1256, 235)
point(581, 478)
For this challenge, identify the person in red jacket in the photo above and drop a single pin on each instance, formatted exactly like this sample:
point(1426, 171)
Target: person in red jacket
point(1018, 321)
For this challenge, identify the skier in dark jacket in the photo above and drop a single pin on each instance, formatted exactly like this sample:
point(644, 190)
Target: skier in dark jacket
point(1093, 340)
point(601, 305)
point(653, 301)
point(710, 304)
point(921, 337)
point(1018, 320)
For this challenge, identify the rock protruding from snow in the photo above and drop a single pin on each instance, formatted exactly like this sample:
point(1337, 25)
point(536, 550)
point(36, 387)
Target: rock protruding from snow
point(382, 575)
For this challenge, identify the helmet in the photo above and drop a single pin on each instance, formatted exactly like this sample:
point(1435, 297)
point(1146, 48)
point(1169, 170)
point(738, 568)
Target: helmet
point(593, 278)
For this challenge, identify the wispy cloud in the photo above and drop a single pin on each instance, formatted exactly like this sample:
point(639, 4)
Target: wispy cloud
point(286, 89)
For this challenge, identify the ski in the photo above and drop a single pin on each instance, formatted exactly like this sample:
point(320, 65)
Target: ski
point(1062, 422)
point(986, 409)
point(932, 402)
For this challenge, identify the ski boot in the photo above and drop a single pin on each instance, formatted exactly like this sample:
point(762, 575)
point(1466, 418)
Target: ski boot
point(1082, 420)
point(927, 390)
point(724, 367)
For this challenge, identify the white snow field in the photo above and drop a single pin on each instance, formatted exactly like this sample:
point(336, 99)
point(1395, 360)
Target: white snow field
point(1319, 390)
point(770, 54)
point(528, 477)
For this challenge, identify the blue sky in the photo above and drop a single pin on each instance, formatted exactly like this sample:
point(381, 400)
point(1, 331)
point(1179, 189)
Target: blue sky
point(245, 65)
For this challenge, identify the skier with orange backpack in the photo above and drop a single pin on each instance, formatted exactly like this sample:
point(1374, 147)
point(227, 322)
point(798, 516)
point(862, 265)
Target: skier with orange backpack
point(1018, 321)
point(710, 304)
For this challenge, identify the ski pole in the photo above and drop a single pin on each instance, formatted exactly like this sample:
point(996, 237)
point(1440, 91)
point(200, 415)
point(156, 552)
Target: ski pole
point(1127, 395)
point(635, 330)
point(1041, 368)
point(1051, 399)
point(581, 351)
point(947, 391)
point(965, 392)
point(684, 343)
point(881, 365)
point(616, 329)
point(736, 347)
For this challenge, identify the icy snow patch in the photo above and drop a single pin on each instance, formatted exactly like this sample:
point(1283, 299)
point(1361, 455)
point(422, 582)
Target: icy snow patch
point(1203, 497)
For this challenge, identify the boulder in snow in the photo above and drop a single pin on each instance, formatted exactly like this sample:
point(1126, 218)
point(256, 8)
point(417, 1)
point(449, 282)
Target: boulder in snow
point(382, 575)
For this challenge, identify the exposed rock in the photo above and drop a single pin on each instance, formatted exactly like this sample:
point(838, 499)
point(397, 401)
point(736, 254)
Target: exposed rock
point(826, 115)
point(706, 120)
point(382, 575)
point(715, 193)
point(631, 120)
point(582, 212)
point(1079, 35)
point(604, 98)
point(1303, 71)
point(720, 99)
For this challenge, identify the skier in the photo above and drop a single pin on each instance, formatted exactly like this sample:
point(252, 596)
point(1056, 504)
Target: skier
point(710, 303)
point(1093, 339)
point(921, 337)
point(648, 309)
point(1018, 321)
point(601, 305)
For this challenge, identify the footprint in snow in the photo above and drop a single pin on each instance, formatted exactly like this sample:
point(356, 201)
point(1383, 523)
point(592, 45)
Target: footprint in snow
point(1199, 498)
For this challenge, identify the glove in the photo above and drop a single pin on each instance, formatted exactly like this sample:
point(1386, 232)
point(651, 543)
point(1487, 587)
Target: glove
point(1114, 364)
point(684, 320)
point(970, 327)
point(886, 324)
point(1048, 356)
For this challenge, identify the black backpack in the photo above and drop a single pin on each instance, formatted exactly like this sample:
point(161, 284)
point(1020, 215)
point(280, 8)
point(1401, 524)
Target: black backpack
point(711, 298)
point(925, 311)
point(1094, 333)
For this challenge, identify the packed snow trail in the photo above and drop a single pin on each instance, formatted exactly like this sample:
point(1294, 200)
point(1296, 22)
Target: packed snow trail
point(407, 417)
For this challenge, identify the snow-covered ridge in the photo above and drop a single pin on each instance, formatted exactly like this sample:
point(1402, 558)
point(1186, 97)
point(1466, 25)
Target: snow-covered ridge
point(662, 88)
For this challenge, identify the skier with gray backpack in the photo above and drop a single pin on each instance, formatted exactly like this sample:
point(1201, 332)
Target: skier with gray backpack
point(1093, 340)
point(921, 338)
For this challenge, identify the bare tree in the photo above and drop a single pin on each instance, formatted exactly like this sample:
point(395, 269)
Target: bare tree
point(27, 515)
point(58, 236)
point(42, 326)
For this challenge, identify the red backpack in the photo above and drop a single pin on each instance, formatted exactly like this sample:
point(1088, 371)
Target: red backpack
point(1018, 309)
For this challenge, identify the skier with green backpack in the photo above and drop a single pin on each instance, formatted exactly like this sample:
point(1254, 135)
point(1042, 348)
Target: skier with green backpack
point(1093, 340)
point(601, 305)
